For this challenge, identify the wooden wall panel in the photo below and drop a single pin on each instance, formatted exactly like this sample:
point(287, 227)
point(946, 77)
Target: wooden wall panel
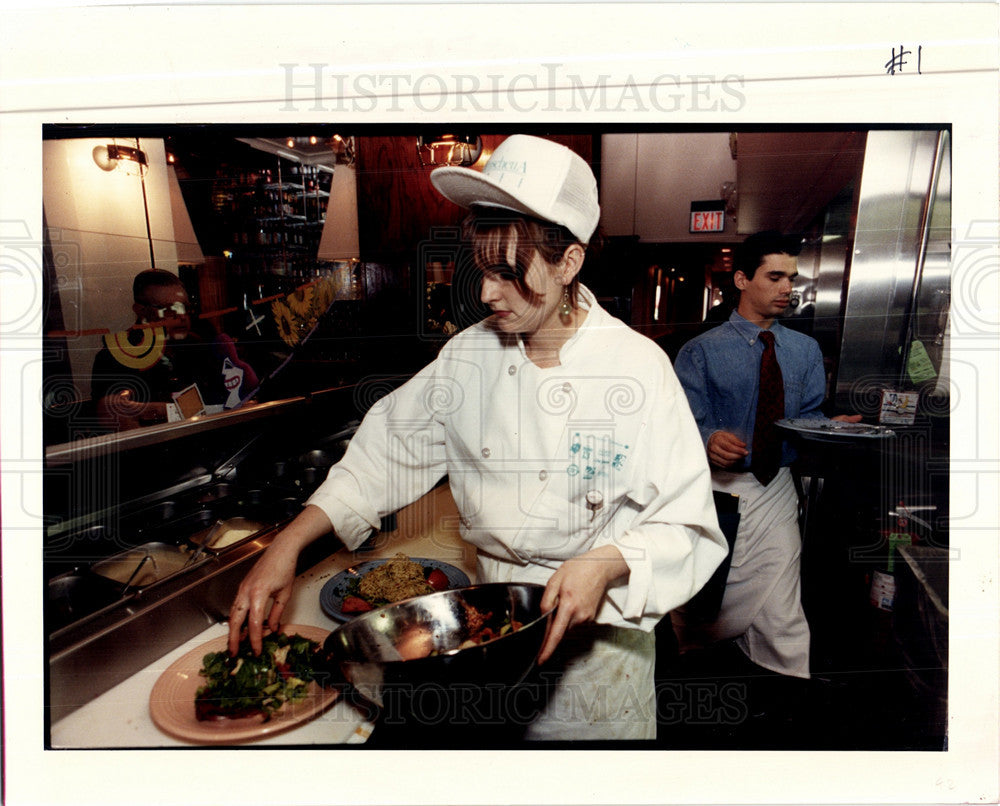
point(396, 201)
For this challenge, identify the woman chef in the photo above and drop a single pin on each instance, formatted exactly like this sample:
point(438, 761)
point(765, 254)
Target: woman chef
point(568, 444)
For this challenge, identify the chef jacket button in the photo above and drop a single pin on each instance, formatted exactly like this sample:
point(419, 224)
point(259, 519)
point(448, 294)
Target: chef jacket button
point(486, 453)
point(594, 499)
point(567, 387)
point(543, 474)
point(511, 370)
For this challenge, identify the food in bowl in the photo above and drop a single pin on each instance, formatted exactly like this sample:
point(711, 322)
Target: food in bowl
point(248, 685)
point(484, 633)
point(480, 630)
point(417, 641)
point(143, 565)
point(230, 536)
point(475, 636)
point(230, 531)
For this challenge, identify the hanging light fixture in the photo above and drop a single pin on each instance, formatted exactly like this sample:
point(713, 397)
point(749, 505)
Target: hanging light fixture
point(343, 149)
point(449, 149)
point(132, 161)
point(128, 157)
point(113, 157)
point(339, 240)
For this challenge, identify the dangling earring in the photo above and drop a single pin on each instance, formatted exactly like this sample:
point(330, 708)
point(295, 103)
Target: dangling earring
point(565, 308)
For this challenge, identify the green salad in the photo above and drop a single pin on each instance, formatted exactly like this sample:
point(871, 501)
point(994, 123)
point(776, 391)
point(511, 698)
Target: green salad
point(247, 684)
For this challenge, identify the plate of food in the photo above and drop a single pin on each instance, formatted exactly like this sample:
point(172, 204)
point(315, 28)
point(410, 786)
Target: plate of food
point(208, 697)
point(375, 583)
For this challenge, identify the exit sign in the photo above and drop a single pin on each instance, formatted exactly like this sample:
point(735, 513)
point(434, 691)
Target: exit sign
point(708, 216)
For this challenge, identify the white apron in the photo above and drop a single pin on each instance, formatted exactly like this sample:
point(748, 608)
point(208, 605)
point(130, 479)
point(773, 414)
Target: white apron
point(762, 606)
point(606, 690)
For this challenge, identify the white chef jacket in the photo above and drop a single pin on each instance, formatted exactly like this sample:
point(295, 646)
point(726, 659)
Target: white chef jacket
point(546, 464)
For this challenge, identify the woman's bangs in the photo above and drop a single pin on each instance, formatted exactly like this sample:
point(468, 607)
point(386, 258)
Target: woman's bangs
point(491, 248)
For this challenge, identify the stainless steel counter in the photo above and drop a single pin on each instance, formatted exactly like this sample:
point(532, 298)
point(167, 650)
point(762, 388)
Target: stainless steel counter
point(163, 433)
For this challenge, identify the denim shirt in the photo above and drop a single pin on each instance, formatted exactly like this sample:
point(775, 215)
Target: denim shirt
point(720, 371)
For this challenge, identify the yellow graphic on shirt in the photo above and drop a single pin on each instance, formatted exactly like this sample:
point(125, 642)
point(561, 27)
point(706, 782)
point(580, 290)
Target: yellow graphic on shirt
point(137, 356)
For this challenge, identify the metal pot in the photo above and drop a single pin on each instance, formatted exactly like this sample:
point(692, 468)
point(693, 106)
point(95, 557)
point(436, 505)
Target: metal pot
point(320, 458)
point(405, 649)
point(76, 594)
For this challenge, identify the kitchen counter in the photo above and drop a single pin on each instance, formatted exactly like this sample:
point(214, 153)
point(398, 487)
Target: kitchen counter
point(120, 717)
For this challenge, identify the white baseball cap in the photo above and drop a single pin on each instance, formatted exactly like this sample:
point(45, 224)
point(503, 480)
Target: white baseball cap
point(532, 176)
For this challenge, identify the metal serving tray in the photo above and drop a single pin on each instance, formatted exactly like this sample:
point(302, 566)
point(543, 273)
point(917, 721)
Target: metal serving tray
point(143, 565)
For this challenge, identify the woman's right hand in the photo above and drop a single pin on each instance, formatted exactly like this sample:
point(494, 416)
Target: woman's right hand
point(272, 579)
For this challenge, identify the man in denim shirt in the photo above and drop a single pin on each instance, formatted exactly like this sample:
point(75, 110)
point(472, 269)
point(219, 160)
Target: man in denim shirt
point(720, 372)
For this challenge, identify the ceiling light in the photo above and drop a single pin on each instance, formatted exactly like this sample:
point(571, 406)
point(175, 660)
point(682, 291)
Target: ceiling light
point(125, 158)
point(135, 155)
point(449, 149)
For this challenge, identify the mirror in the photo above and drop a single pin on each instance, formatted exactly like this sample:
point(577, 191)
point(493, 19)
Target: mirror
point(253, 244)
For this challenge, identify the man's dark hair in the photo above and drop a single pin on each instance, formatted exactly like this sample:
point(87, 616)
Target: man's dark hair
point(752, 251)
point(152, 278)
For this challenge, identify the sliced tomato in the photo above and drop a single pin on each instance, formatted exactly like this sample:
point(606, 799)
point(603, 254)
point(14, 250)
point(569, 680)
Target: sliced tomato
point(437, 580)
point(355, 604)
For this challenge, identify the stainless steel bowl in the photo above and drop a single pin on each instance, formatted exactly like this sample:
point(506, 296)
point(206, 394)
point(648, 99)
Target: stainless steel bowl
point(416, 644)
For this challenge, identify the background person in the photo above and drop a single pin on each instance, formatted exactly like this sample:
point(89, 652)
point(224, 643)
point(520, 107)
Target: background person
point(547, 400)
point(137, 373)
point(730, 379)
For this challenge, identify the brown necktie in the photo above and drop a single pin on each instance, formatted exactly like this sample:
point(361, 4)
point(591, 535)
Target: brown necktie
point(766, 450)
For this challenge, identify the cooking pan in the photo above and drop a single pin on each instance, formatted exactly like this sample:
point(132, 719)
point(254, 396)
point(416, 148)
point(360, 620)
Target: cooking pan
point(421, 645)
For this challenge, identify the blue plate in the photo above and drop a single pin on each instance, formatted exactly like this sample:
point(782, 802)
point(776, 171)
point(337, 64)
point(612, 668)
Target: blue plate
point(333, 592)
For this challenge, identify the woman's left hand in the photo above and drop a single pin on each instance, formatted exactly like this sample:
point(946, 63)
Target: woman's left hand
point(577, 587)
